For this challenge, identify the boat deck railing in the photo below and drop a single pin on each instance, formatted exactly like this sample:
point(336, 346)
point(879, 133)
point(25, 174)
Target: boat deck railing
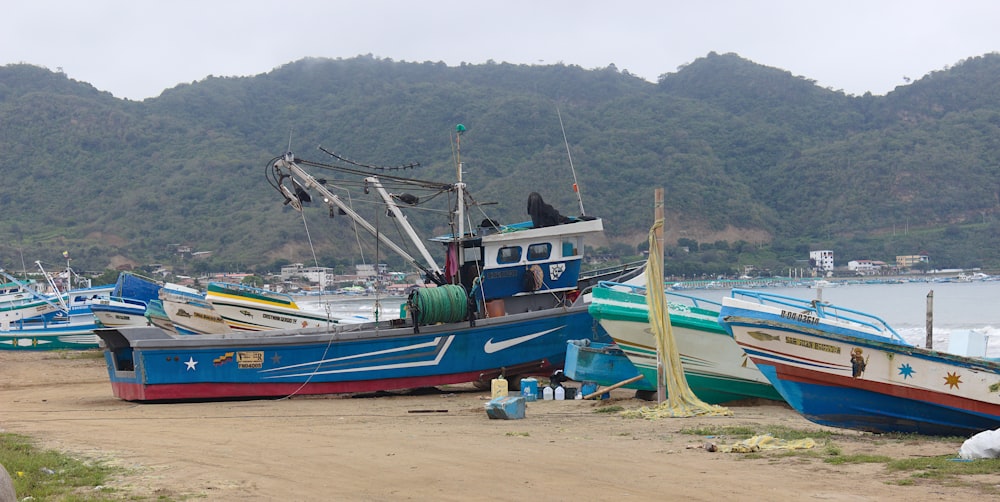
point(822, 310)
point(641, 290)
point(252, 290)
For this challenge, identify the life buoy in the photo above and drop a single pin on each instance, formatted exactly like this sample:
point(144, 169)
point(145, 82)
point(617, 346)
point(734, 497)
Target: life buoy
point(534, 278)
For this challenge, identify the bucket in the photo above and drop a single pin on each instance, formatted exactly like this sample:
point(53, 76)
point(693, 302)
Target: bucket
point(499, 387)
point(529, 389)
point(495, 308)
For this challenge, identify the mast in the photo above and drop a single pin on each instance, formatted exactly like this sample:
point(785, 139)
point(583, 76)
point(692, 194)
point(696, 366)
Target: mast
point(576, 187)
point(57, 294)
point(460, 190)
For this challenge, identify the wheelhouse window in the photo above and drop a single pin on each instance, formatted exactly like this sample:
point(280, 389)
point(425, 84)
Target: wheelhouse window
point(510, 254)
point(539, 251)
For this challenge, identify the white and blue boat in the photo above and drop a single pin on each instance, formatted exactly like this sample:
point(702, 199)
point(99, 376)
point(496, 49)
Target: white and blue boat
point(51, 321)
point(506, 302)
point(127, 303)
point(845, 368)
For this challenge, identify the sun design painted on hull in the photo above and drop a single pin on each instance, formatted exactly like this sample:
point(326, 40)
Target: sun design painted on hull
point(952, 380)
point(906, 371)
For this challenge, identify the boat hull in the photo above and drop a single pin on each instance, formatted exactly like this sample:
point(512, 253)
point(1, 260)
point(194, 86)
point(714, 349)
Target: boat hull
point(602, 363)
point(842, 376)
point(243, 310)
point(116, 316)
point(150, 364)
point(69, 336)
point(715, 367)
point(192, 317)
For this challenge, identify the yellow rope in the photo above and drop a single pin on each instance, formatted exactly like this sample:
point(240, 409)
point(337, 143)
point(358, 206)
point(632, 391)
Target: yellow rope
point(681, 401)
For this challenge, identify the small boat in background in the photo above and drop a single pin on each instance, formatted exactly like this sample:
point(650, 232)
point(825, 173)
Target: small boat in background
point(127, 303)
point(845, 368)
point(246, 308)
point(59, 320)
point(189, 312)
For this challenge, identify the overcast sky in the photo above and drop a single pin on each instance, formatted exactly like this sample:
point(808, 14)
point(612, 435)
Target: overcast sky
point(135, 49)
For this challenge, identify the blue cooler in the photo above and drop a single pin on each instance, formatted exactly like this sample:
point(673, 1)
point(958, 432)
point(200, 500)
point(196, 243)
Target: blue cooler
point(529, 389)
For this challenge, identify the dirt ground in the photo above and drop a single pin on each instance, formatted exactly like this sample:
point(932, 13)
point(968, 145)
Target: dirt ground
point(432, 446)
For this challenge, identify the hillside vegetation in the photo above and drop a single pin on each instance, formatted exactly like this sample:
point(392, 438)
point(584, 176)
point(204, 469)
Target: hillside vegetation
point(759, 166)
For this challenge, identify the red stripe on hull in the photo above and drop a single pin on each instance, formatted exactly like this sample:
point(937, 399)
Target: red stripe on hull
point(801, 375)
point(206, 391)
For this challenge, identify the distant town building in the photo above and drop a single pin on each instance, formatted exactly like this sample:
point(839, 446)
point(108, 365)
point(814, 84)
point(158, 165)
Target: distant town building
point(822, 260)
point(908, 261)
point(323, 276)
point(371, 270)
point(866, 267)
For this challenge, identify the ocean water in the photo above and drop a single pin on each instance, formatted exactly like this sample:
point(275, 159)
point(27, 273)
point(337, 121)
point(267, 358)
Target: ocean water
point(972, 306)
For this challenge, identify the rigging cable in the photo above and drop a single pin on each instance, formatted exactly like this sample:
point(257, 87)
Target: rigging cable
point(330, 326)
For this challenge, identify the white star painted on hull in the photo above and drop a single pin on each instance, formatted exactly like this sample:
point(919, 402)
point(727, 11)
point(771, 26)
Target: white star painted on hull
point(191, 363)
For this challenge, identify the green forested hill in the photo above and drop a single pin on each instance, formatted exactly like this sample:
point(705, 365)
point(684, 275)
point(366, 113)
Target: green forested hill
point(758, 164)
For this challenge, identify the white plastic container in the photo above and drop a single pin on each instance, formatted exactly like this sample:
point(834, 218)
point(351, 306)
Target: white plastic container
point(547, 393)
point(560, 393)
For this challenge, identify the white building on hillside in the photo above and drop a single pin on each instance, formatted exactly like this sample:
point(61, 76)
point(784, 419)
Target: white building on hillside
point(822, 260)
point(866, 267)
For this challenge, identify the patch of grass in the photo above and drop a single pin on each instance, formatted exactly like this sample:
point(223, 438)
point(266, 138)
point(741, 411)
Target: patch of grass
point(744, 432)
point(50, 475)
point(941, 470)
point(609, 409)
point(860, 458)
point(907, 436)
point(78, 354)
point(943, 466)
point(521, 434)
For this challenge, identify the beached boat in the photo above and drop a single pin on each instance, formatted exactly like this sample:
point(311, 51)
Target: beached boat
point(506, 302)
point(16, 291)
point(604, 364)
point(188, 311)
point(716, 368)
point(127, 303)
point(158, 317)
point(58, 320)
point(246, 308)
point(849, 369)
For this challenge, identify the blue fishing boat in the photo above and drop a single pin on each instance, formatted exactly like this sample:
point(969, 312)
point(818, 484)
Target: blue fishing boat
point(506, 302)
point(845, 368)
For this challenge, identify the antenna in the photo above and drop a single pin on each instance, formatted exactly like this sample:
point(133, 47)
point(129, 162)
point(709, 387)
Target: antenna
point(576, 187)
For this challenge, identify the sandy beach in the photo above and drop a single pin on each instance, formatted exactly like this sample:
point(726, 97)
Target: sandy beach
point(435, 445)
